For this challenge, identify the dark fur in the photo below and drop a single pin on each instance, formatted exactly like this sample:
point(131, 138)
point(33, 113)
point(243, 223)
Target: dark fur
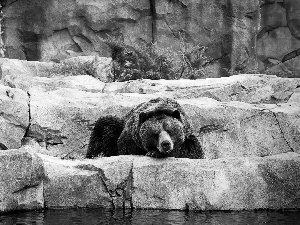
point(114, 136)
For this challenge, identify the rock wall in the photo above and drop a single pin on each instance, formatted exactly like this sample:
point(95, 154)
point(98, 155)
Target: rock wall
point(240, 36)
point(278, 41)
point(35, 181)
point(248, 126)
point(53, 30)
point(241, 115)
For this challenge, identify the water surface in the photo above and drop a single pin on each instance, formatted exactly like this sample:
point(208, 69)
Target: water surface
point(137, 217)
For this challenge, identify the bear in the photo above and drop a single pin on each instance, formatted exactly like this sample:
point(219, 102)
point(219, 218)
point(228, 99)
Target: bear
point(158, 128)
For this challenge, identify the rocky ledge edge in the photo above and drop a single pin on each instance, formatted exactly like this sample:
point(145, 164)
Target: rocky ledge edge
point(32, 180)
point(248, 126)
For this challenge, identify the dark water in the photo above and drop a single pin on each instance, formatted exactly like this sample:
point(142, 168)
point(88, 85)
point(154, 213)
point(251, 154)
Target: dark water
point(101, 216)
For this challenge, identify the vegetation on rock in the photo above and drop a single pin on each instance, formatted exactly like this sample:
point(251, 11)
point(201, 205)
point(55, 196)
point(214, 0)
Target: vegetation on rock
point(149, 61)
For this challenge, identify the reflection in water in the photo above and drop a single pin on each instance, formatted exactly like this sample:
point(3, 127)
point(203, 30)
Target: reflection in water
point(137, 217)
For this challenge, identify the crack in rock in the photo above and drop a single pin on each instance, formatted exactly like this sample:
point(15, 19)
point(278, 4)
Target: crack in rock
point(29, 118)
point(120, 193)
point(282, 132)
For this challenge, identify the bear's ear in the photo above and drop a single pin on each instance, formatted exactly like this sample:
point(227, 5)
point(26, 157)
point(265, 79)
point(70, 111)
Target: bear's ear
point(176, 114)
point(142, 117)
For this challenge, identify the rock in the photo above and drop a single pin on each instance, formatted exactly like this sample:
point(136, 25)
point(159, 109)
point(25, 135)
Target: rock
point(293, 18)
point(105, 182)
point(288, 116)
point(24, 74)
point(295, 97)
point(279, 37)
point(145, 183)
point(21, 183)
point(54, 30)
point(248, 88)
point(96, 66)
point(14, 117)
point(81, 83)
point(276, 44)
point(273, 15)
point(236, 130)
point(222, 184)
point(62, 119)
point(64, 109)
point(13, 70)
point(225, 130)
point(289, 68)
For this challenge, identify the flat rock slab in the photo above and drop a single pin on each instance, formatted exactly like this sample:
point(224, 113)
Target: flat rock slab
point(21, 182)
point(14, 117)
point(250, 88)
point(145, 183)
point(62, 120)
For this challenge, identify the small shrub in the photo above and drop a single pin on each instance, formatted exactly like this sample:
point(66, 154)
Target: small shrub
point(148, 61)
point(66, 68)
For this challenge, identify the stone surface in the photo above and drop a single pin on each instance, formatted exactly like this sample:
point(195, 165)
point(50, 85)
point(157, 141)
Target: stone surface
point(278, 37)
point(14, 116)
point(293, 18)
point(21, 73)
point(145, 183)
point(61, 120)
point(104, 182)
point(223, 184)
point(21, 183)
point(248, 126)
point(239, 130)
point(245, 88)
point(54, 30)
point(63, 110)
point(234, 32)
point(276, 44)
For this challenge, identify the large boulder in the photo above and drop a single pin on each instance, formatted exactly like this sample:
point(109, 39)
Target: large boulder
point(14, 117)
point(63, 110)
point(21, 73)
point(256, 88)
point(62, 120)
point(278, 41)
point(270, 182)
point(21, 182)
point(222, 184)
point(237, 129)
point(106, 182)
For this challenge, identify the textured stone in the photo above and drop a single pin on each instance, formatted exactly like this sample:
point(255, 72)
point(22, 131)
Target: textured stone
point(223, 184)
point(14, 117)
point(61, 120)
point(21, 182)
point(293, 18)
point(245, 88)
point(146, 183)
point(236, 130)
point(64, 109)
point(273, 15)
point(104, 182)
point(276, 44)
point(26, 74)
point(54, 30)
point(288, 68)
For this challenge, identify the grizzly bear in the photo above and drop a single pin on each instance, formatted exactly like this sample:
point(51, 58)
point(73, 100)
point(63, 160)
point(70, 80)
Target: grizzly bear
point(158, 128)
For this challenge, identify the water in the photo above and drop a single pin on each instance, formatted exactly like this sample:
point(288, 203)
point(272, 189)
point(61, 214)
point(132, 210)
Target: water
point(147, 217)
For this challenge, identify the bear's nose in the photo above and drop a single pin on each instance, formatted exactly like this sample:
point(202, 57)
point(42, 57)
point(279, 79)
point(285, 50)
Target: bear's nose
point(166, 144)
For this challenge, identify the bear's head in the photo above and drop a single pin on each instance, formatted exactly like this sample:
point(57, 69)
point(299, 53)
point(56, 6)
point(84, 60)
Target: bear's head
point(161, 131)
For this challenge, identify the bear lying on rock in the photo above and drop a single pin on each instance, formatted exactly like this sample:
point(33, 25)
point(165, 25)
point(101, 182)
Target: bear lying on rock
point(158, 128)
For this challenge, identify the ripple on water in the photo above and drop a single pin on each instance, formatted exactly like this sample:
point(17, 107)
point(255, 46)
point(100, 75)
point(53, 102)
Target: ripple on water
point(145, 217)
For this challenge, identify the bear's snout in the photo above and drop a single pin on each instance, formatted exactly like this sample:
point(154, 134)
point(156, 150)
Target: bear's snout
point(166, 145)
point(165, 142)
